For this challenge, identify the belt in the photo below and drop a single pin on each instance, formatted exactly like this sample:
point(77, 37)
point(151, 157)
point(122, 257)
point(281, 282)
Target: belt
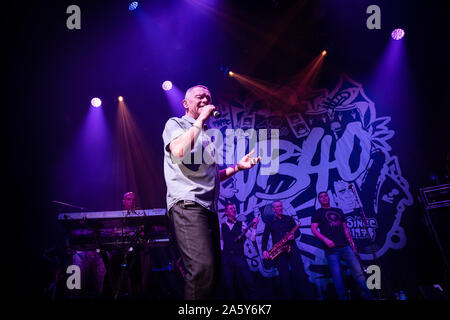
point(187, 202)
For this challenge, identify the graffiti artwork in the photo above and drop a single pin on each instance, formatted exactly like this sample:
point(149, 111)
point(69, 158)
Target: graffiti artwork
point(338, 145)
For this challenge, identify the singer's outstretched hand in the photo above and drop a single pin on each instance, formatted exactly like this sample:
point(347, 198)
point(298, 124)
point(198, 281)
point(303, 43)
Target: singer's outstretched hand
point(248, 162)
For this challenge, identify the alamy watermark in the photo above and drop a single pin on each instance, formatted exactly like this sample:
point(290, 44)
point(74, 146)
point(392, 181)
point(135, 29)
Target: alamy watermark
point(374, 279)
point(74, 20)
point(374, 20)
point(213, 147)
point(74, 279)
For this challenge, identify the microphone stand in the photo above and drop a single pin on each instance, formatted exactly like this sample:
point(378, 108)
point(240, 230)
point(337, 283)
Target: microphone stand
point(371, 240)
point(70, 205)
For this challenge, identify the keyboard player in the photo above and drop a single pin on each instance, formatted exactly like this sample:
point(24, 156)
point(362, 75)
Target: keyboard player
point(133, 262)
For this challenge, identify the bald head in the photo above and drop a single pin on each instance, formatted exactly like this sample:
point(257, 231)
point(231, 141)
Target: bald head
point(196, 98)
point(189, 91)
point(129, 201)
point(277, 208)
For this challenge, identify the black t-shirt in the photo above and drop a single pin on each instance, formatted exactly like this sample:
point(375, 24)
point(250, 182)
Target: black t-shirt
point(330, 222)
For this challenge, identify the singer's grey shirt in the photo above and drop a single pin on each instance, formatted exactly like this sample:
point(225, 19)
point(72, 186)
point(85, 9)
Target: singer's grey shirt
point(196, 178)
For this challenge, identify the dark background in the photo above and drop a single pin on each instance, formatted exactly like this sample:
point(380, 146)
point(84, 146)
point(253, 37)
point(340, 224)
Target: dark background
point(52, 73)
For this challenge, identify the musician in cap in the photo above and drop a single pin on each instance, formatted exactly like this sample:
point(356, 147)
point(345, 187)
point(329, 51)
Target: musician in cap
point(193, 182)
point(294, 281)
point(328, 225)
point(237, 278)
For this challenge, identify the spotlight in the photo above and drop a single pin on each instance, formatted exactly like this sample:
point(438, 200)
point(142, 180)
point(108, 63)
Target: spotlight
point(230, 73)
point(167, 85)
point(133, 5)
point(397, 34)
point(120, 98)
point(324, 52)
point(96, 102)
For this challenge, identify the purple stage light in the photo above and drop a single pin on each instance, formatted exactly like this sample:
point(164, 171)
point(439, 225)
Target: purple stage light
point(133, 5)
point(96, 102)
point(397, 34)
point(167, 85)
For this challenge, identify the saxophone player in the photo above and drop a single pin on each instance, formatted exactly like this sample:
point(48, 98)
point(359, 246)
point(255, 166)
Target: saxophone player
point(294, 281)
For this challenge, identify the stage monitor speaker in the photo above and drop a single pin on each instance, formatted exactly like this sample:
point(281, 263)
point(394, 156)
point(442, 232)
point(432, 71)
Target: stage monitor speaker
point(440, 220)
point(436, 202)
point(436, 196)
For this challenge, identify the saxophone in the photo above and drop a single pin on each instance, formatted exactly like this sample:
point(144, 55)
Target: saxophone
point(282, 245)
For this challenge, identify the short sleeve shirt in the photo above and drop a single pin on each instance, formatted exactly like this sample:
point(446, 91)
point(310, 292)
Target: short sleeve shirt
point(331, 222)
point(196, 176)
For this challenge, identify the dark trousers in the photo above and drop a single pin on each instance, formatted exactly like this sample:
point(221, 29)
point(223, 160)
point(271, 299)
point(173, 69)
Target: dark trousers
point(198, 238)
point(235, 270)
point(334, 257)
point(294, 282)
point(120, 273)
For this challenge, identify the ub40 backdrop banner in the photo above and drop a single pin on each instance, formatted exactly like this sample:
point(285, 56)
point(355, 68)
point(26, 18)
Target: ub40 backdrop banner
point(338, 145)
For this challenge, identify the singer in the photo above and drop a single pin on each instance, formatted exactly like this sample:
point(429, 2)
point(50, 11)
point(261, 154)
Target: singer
point(193, 191)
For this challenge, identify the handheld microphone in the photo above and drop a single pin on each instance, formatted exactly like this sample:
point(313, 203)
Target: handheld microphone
point(216, 114)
